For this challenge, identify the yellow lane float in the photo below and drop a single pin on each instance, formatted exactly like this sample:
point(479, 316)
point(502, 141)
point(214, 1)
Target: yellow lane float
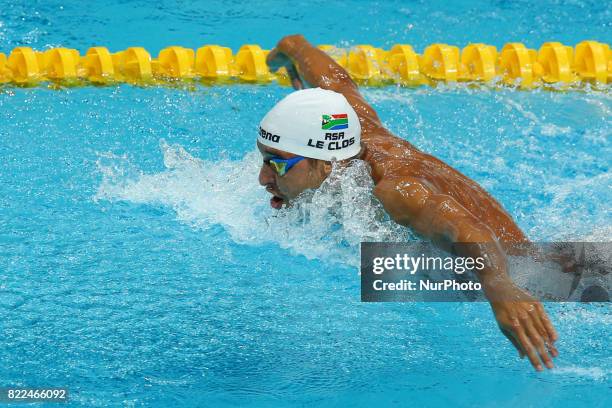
point(554, 64)
point(478, 63)
point(214, 62)
point(402, 64)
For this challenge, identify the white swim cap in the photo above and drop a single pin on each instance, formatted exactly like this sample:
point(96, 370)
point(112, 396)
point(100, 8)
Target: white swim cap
point(314, 123)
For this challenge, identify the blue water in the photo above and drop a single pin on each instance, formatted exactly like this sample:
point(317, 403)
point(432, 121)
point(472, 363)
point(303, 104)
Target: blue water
point(140, 264)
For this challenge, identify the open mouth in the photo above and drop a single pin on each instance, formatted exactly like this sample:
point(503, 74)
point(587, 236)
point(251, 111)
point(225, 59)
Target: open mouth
point(276, 202)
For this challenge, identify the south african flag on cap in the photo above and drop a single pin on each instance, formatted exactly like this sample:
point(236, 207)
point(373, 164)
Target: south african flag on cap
point(335, 122)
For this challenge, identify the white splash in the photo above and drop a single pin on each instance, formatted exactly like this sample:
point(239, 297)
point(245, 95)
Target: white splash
point(590, 373)
point(328, 223)
point(570, 219)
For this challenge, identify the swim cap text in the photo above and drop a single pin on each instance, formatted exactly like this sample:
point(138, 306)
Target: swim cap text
point(337, 141)
point(268, 136)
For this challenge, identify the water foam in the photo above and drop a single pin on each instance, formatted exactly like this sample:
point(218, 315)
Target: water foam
point(327, 224)
point(578, 220)
point(588, 373)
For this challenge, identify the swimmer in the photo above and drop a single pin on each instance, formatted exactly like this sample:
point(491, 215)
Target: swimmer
point(304, 133)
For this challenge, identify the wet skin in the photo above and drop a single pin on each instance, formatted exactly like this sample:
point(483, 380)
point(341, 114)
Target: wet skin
point(420, 192)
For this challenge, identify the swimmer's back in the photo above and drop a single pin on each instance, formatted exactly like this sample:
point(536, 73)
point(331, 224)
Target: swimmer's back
point(393, 158)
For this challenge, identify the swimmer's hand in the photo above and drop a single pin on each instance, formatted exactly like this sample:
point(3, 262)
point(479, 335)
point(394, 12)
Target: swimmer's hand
point(524, 322)
point(279, 57)
point(310, 67)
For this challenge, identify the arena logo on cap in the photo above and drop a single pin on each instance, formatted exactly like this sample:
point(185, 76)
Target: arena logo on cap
point(335, 122)
point(268, 136)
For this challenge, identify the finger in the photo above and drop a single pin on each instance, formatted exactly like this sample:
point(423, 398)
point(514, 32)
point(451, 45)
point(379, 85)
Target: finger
point(552, 333)
point(272, 56)
point(539, 317)
point(296, 81)
point(553, 350)
point(297, 84)
point(527, 346)
point(514, 342)
point(537, 323)
point(537, 341)
point(276, 59)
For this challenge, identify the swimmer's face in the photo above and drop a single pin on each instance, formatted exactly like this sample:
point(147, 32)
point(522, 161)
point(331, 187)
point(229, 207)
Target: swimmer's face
point(306, 174)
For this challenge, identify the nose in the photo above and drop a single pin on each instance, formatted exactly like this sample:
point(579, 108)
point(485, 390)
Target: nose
point(266, 175)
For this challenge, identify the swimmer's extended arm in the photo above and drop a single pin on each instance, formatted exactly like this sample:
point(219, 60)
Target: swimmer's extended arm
point(439, 217)
point(522, 319)
point(306, 63)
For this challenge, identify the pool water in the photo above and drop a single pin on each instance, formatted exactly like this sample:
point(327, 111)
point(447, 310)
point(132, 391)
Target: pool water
point(141, 264)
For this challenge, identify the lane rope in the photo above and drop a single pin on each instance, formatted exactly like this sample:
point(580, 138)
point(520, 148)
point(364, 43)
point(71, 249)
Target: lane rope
point(554, 64)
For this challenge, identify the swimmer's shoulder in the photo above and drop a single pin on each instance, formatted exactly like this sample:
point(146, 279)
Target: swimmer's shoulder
point(388, 154)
